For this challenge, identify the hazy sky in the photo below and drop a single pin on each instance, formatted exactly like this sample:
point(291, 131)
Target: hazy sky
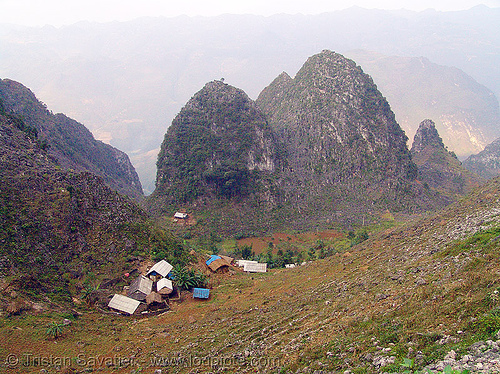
point(64, 12)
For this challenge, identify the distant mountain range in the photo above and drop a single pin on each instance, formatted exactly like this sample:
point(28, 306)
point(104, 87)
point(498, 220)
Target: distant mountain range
point(487, 162)
point(465, 112)
point(127, 81)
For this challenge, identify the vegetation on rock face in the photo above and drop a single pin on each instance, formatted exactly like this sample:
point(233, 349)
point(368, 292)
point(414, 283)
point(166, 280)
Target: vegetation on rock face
point(332, 152)
point(217, 146)
point(58, 226)
point(69, 141)
point(439, 168)
point(220, 156)
point(344, 147)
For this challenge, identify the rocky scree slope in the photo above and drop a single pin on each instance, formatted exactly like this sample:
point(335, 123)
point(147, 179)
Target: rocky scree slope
point(486, 163)
point(439, 168)
point(58, 227)
point(345, 151)
point(70, 142)
point(417, 291)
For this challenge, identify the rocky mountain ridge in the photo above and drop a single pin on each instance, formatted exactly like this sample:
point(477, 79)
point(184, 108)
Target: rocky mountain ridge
point(426, 136)
point(342, 140)
point(70, 142)
point(219, 145)
point(59, 227)
point(439, 168)
point(465, 113)
point(487, 162)
point(329, 149)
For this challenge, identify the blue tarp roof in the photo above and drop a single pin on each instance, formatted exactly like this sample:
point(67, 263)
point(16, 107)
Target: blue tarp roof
point(212, 259)
point(201, 293)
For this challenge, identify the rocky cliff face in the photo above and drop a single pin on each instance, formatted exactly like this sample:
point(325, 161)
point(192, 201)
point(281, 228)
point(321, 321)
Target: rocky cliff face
point(344, 147)
point(439, 168)
point(426, 136)
point(70, 142)
point(465, 113)
point(332, 151)
point(218, 146)
point(59, 226)
point(486, 163)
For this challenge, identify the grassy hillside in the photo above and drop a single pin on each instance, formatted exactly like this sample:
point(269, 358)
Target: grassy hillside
point(415, 291)
point(61, 229)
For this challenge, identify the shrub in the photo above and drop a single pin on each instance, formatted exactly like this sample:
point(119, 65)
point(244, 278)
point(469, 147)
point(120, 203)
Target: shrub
point(186, 279)
point(54, 330)
point(488, 324)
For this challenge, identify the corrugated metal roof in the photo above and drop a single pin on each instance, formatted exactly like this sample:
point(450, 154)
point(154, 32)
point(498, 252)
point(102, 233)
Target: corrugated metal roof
point(124, 304)
point(140, 285)
point(201, 293)
point(255, 268)
point(243, 262)
point(212, 259)
point(180, 215)
point(162, 267)
point(164, 282)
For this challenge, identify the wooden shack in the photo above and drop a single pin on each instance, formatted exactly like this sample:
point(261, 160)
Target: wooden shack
point(140, 288)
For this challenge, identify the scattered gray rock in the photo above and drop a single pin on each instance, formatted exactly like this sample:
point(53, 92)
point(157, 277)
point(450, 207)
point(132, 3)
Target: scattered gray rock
point(483, 357)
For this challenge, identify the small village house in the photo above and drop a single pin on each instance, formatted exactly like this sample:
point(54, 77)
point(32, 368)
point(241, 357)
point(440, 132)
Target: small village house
point(217, 262)
point(155, 301)
point(255, 267)
point(140, 288)
point(241, 263)
point(164, 286)
point(159, 270)
point(124, 304)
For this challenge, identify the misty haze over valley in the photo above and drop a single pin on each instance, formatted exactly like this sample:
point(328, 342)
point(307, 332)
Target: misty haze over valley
point(126, 81)
point(254, 187)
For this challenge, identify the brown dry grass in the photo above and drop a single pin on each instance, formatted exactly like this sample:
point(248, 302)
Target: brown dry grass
point(399, 288)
